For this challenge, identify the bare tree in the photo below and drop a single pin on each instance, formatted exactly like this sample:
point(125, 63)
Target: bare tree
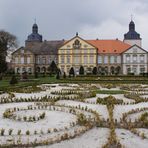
point(8, 42)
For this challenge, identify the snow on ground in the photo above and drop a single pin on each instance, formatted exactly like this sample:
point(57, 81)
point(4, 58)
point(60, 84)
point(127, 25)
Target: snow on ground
point(135, 116)
point(94, 138)
point(5, 95)
point(101, 109)
point(143, 130)
point(53, 119)
point(116, 88)
point(53, 87)
point(32, 95)
point(39, 137)
point(129, 140)
point(91, 100)
point(117, 96)
point(38, 95)
point(144, 96)
point(120, 109)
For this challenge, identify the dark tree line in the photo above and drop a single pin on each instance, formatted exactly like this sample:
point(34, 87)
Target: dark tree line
point(8, 42)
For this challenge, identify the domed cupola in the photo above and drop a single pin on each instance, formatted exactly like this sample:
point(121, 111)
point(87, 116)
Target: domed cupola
point(132, 37)
point(132, 34)
point(132, 26)
point(35, 28)
point(34, 36)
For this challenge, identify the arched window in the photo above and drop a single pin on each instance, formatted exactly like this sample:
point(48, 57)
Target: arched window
point(112, 70)
point(38, 69)
point(17, 70)
point(43, 69)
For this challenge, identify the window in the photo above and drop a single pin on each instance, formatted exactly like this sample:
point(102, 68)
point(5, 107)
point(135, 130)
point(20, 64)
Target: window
point(142, 69)
point(68, 51)
point(62, 69)
point(17, 70)
point(85, 51)
point(62, 59)
point(127, 58)
point(91, 59)
point(112, 59)
point(38, 60)
point(134, 58)
point(118, 59)
point(105, 59)
point(28, 60)
point(49, 60)
point(23, 69)
point(22, 60)
point(16, 60)
point(68, 68)
point(68, 59)
point(91, 50)
point(29, 70)
point(115, 59)
point(85, 59)
point(141, 58)
point(43, 60)
point(128, 69)
point(99, 59)
point(77, 59)
point(134, 69)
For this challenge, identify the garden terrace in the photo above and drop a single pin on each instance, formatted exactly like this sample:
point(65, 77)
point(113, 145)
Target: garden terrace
point(75, 115)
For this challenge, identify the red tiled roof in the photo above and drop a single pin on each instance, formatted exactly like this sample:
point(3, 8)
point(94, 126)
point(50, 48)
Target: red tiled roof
point(109, 46)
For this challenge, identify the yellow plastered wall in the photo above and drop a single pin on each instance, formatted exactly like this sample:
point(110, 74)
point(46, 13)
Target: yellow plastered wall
point(84, 46)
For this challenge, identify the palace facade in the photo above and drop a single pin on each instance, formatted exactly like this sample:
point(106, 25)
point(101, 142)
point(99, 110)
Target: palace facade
point(108, 56)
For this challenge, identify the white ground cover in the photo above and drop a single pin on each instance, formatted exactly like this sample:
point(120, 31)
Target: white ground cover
point(135, 116)
point(101, 109)
point(144, 96)
point(117, 96)
point(116, 88)
point(5, 95)
point(143, 130)
point(53, 119)
point(39, 137)
point(46, 92)
point(94, 138)
point(120, 109)
point(32, 95)
point(129, 140)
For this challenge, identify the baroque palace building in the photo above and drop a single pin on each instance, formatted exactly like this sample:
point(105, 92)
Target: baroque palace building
point(108, 56)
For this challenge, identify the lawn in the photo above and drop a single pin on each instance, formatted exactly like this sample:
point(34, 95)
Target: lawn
point(112, 92)
point(4, 84)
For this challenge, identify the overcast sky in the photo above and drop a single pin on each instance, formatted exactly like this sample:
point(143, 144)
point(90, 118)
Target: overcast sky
point(61, 19)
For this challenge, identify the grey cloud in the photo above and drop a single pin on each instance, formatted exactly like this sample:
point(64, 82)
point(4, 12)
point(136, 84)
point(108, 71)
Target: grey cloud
point(58, 19)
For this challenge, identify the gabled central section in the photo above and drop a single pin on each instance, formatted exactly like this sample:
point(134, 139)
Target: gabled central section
point(77, 53)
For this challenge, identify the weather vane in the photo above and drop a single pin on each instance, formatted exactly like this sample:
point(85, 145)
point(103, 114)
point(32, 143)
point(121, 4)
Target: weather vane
point(35, 20)
point(131, 17)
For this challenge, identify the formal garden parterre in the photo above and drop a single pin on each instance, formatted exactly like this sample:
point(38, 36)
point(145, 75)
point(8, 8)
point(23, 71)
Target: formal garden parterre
point(75, 115)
